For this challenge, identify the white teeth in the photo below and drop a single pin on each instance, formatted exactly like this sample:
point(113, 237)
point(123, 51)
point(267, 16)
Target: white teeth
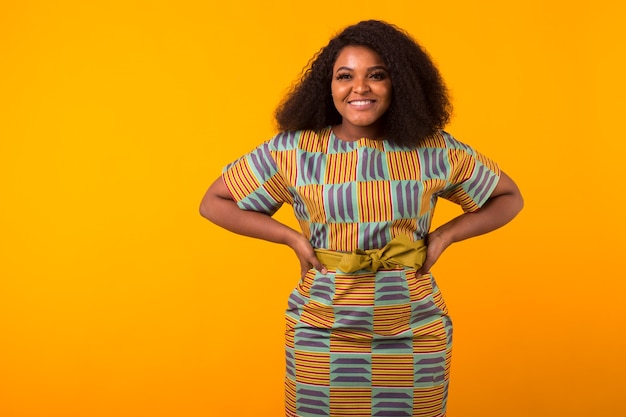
point(361, 102)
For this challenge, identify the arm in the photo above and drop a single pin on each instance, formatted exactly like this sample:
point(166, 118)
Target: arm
point(501, 207)
point(219, 207)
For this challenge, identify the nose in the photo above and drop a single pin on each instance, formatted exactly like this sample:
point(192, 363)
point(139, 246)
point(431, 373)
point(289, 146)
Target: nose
point(361, 85)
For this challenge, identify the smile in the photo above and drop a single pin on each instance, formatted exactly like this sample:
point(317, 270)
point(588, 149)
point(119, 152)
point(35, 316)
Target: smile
point(361, 102)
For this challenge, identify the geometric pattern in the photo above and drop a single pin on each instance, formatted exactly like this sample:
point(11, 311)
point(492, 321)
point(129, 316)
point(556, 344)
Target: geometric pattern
point(387, 354)
point(363, 343)
point(356, 195)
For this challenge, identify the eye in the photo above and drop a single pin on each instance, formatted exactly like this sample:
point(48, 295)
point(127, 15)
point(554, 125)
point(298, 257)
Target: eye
point(343, 76)
point(378, 75)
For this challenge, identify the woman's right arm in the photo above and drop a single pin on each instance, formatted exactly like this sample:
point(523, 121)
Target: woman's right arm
point(219, 207)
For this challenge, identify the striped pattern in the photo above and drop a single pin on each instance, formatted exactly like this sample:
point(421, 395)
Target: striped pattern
point(364, 343)
point(384, 337)
point(392, 370)
point(340, 168)
point(354, 290)
point(392, 320)
point(428, 401)
point(403, 165)
point(351, 341)
point(312, 368)
point(353, 402)
point(374, 202)
point(333, 183)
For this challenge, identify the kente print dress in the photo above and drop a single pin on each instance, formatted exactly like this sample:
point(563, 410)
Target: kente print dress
point(363, 343)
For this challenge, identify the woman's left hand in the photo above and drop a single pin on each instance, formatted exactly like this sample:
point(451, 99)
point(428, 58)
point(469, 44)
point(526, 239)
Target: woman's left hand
point(436, 245)
point(502, 205)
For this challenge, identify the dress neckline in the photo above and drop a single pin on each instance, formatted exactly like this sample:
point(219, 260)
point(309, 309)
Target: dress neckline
point(335, 137)
point(364, 141)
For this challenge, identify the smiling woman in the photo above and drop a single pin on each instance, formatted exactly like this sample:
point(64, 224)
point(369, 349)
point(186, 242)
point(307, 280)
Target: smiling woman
point(361, 90)
point(362, 159)
point(419, 106)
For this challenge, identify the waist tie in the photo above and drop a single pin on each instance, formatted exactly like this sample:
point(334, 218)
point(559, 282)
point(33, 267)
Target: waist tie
point(399, 251)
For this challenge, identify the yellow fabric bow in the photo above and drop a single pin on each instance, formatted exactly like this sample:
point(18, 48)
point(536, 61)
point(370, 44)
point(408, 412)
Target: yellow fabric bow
point(399, 251)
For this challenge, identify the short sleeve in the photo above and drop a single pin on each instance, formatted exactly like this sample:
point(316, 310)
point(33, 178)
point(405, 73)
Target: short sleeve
point(255, 182)
point(473, 176)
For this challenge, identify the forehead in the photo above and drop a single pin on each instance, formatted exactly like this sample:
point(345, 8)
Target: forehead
point(354, 56)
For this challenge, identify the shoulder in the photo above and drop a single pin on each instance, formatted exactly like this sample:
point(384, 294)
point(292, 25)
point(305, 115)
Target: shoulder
point(309, 140)
point(441, 140)
point(284, 141)
point(452, 143)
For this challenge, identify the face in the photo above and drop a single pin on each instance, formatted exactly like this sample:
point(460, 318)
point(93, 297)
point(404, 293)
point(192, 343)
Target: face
point(361, 90)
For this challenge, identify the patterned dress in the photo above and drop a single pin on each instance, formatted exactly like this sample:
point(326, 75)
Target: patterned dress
point(363, 343)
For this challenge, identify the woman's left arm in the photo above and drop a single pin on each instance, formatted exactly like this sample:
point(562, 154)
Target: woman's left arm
point(501, 207)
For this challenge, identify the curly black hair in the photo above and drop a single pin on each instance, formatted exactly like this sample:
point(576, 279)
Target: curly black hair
point(419, 105)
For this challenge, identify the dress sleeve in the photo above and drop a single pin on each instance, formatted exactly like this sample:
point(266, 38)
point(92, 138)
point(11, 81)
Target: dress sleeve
point(473, 176)
point(255, 182)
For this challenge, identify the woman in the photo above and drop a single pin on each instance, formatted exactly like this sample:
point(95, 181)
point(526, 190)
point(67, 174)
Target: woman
point(362, 158)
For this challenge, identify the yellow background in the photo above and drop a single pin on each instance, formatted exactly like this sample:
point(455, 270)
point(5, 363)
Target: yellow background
point(118, 300)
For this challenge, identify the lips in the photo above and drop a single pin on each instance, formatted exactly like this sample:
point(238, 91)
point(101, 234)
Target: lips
point(361, 104)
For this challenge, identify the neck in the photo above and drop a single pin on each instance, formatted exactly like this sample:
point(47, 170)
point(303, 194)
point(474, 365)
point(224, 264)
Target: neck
point(353, 133)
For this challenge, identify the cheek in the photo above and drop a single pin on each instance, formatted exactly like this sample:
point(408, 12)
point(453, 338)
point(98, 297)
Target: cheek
point(389, 95)
point(339, 94)
point(385, 91)
point(338, 104)
point(337, 91)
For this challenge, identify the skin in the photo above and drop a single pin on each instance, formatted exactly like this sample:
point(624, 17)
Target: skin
point(361, 90)
point(359, 74)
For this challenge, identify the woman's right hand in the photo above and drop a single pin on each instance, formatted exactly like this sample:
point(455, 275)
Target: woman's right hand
point(306, 255)
point(219, 207)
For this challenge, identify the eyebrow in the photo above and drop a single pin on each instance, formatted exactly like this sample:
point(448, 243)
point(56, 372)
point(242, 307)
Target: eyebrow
point(376, 67)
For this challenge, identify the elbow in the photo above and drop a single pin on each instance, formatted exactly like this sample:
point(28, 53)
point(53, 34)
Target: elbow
point(215, 208)
point(205, 208)
point(514, 200)
point(217, 203)
point(516, 203)
point(520, 202)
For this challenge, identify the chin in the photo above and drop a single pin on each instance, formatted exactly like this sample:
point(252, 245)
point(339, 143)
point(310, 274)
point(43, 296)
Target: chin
point(362, 122)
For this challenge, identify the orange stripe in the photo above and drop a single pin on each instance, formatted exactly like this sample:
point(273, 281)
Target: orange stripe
point(392, 370)
point(353, 341)
point(431, 186)
point(240, 180)
point(290, 324)
point(343, 235)
point(317, 314)
point(312, 367)
point(430, 338)
point(461, 165)
point(278, 189)
point(340, 168)
point(314, 202)
point(354, 290)
point(419, 288)
point(435, 141)
point(374, 201)
point(403, 227)
point(350, 401)
point(311, 142)
point(403, 165)
point(392, 320)
point(286, 163)
point(290, 396)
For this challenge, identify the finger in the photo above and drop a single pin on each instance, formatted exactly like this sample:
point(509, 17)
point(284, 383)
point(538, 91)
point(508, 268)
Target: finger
point(304, 268)
point(424, 269)
point(318, 265)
